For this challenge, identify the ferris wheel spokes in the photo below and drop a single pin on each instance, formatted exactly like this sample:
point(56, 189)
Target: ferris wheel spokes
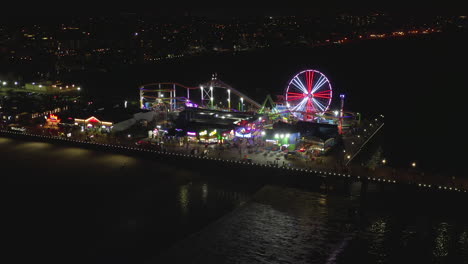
point(297, 82)
point(308, 93)
point(321, 81)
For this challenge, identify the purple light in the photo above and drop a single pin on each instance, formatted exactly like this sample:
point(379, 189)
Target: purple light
point(178, 129)
point(342, 96)
point(191, 133)
point(190, 104)
point(249, 135)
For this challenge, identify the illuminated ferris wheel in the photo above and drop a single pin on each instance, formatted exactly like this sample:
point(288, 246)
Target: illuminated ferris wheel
point(309, 93)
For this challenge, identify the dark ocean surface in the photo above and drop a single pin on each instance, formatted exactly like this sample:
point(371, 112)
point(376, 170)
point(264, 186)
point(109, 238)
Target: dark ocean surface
point(71, 205)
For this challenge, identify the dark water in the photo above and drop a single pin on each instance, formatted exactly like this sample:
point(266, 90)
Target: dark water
point(64, 204)
point(290, 225)
point(417, 83)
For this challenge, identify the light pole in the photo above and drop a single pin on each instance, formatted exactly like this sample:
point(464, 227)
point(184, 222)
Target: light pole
point(340, 128)
point(201, 92)
point(211, 97)
point(229, 99)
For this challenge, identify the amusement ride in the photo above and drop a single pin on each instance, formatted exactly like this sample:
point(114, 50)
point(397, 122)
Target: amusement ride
point(307, 97)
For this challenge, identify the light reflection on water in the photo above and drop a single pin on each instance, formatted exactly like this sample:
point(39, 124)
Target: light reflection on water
point(442, 240)
point(377, 238)
point(5, 140)
point(204, 193)
point(33, 146)
point(184, 198)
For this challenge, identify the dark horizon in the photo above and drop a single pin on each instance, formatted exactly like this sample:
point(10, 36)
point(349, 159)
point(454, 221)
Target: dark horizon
point(238, 12)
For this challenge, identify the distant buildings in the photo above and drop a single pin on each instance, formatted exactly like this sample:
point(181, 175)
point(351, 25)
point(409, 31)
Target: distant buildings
point(102, 42)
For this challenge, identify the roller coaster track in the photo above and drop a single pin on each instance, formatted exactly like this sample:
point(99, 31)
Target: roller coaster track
point(215, 83)
point(219, 84)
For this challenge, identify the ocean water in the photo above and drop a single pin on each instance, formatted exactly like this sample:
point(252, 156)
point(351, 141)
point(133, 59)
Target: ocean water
point(65, 204)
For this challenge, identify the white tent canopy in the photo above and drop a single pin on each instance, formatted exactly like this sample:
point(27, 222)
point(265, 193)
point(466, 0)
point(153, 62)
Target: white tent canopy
point(124, 125)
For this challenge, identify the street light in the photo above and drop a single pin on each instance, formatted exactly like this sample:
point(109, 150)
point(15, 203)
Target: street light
point(384, 161)
point(413, 164)
point(348, 157)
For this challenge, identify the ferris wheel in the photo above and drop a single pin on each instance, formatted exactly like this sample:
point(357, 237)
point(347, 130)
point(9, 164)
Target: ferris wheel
point(309, 93)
